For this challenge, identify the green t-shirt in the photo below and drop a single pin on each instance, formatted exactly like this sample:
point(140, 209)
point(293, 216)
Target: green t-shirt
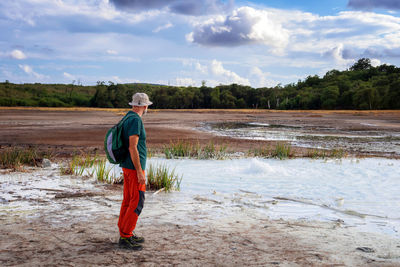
point(134, 126)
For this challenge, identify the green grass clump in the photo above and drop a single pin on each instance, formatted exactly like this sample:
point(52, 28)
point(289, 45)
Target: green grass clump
point(322, 154)
point(92, 166)
point(161, 176)
point(282, 151)
point(180, 149)
point(103, 174)
point(316, 154)
point(15, 158)
point(264, 152)
point(337, 153)
point(79, 164)
point(211, 151)
point(194, 150)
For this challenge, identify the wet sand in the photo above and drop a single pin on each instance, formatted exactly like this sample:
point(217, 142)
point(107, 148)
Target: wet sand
point(68, 130)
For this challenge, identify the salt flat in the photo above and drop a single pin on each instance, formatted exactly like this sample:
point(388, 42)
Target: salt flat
point(230, 212)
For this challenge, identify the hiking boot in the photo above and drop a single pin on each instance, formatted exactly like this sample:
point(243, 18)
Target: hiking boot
point(128, 244)
point(136, 239)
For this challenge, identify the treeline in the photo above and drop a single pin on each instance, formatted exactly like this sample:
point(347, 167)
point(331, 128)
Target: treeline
point(360, 87)
point(45, 95)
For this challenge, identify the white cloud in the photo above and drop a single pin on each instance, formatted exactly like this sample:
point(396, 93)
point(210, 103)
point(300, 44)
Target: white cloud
point(336, 54)
point(214, 73)
point(69, 76)
point(185, 82)
point(290, 33)
point(201, 68)
point(17, 54)
point(375, 62)
point(29, 70)
point(163, 27)
point(355, 30)
point(198, 70)
point(226, 76)
point(92, 79)
point(26, 68)
point(30, 11)
point(118, 79)
point(244, 26)
point(112, 52)
point(261, 78)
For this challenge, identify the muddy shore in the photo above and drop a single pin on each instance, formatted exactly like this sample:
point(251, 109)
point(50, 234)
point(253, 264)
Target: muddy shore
point(67, 130)
point(74, 223)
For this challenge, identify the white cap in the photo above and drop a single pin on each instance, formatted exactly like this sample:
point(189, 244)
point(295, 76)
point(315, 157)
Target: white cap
point(140, 99)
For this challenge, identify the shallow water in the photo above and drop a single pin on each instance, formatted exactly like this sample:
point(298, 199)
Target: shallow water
point(313, 137)
point(362, 193)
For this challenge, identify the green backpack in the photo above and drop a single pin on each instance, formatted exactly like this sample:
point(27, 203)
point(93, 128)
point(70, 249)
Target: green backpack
point(114, 145)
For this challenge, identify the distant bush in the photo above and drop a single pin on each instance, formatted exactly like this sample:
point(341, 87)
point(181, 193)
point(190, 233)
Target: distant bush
point(12, 102)
point(6, 101)
point(51, 102)
point(80, 101)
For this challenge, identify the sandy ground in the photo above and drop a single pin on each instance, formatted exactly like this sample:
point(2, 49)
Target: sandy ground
point(59, 227)
point(67, 230)
point(66, 131)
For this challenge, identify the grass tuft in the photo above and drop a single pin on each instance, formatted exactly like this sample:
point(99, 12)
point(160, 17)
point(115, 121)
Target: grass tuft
point(264, 152)
point(15, 158)
point(338, 153)
point(102, 173)
point(92, 166)
point(282, 151)
point(194, 150)
point(161, 176)
point(79, 164)
point(316, 154)
point(322, 154)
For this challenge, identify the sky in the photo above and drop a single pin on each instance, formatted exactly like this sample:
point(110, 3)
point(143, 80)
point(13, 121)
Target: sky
point(185, 42)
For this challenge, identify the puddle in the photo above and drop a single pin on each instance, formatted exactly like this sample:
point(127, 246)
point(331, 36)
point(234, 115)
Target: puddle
point(310, 137)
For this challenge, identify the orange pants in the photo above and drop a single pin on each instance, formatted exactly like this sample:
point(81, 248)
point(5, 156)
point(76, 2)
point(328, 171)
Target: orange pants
point(132, 203)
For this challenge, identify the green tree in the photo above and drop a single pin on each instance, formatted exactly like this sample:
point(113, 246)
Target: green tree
point(227, 99)
point(306, 98)
point(365, 96)
point(215, 98)
point(329, 97)
point(361, 64)
point(393, 95)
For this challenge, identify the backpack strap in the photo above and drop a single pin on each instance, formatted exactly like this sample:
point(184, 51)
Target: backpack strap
point(121, 122)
